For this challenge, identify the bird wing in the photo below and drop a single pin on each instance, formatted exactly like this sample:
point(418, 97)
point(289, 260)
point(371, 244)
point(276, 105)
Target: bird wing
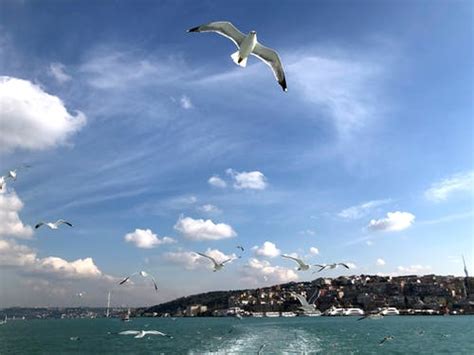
point(154, 282)
point(209, 257)
point(155, 332)
point(227, 260)
point(62, 221)
point(271, 58)
point(345, 265)
point(39, 225)
point(302, 300)
point(129, 332)
point(299, 261)
point(124, 280)
point(240, 247)
point(223, 28)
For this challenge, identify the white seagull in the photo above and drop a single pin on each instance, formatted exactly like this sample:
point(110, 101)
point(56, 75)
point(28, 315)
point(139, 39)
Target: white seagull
point(53, 225)
point(331, 266)
point(142, 274)
point(142, 333)
point(11, 174)
point(217, 266)
point(247, 45)
point(305, 305)
point(302, 265)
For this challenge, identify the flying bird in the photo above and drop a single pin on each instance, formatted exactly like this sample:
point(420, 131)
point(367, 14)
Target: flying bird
point(11, 174)
point(142, 274)
point(330, 266)
point(302, 265)
point(53, 225)
point(142, 333)
point(217, 265)
point(387, 338)
point(247, 45)
point(240, 247)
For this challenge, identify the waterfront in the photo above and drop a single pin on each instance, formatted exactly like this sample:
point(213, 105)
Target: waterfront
point(435, 334)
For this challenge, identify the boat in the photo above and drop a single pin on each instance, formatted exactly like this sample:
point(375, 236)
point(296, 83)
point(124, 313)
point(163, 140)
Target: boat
point(390, 311)
point(353, 312)
point(288, 314)
point(4, 321)
point(272, 314)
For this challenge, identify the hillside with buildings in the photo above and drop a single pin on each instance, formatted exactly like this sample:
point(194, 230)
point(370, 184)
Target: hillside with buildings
point(429, 294)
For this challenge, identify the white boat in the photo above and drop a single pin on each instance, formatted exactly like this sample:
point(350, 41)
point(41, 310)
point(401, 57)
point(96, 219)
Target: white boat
point(4, 321)
point(353, 312)
point(390, 311)
point(257, 314)
point(272, 314)
point(288, 314)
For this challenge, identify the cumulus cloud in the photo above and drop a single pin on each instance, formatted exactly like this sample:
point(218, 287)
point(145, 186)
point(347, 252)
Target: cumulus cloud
point(146, 239)
point(441, 190)
point(395, 221)
point(362, 210)
point(13, 254)
point(208, 208)
point(190, 260)
point(56, 70)
point(185, 102)
point(200, 229)
point(268, 249)
point(314, 251)
point(256, 271)
point(216, 181)
point(33, 119)
point(11, 225)
point(253, 180)
point(380, 262)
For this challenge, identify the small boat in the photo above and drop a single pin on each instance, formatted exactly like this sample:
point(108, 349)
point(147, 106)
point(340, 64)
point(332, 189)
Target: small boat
point(4, 321)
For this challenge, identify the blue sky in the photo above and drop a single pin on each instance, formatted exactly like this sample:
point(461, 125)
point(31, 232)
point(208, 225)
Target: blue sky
point(124, 118)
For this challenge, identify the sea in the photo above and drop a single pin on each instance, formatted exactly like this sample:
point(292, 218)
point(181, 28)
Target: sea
point(299, 335)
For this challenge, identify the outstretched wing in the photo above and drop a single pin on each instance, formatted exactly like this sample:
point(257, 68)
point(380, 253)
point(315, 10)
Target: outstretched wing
point(124, 280)
point(223, 28)
point(156, 332)
point(300, 262)
point(39, 225)
point(302, 300)
point(129, 332)
point(345, 265)
point(154, 282)
point(209, 257)
point(271, 58)
point(62, 221)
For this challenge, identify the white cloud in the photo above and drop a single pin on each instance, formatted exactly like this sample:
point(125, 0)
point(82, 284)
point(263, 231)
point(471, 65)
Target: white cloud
point(314, 251)
point(56, 70)
point(146, 239)
point(351, 265)
point(380, 262)
point(33, 119)
point(217, 181)
point(359, 211)
point(13, 254)
point(211, 209)
point(268, 249)
point(413, 269)
point(395, 221)
point(253, 180)
point(441, 190)
point(190, 260)
point(186, 103)
point(256, 271)
point(200, 229)
point(11, 225)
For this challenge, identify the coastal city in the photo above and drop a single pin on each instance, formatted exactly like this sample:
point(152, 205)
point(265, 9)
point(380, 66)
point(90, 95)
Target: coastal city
point(343, 296)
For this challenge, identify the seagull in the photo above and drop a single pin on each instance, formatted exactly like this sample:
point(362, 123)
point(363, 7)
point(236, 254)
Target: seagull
point(387, 338)
point(247, 45)
point(331, 266)
point(142, 274)
point(11, 174)
point(53, 225)
point(240, 247)
point(302, 265)
point(142, 333)
point(80, 294)
point(305, 305)
point(217, 266)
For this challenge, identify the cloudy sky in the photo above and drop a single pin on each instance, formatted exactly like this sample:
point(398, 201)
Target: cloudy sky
point(154, 144)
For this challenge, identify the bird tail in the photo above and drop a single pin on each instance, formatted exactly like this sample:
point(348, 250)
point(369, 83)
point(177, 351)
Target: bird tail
point(238, 60)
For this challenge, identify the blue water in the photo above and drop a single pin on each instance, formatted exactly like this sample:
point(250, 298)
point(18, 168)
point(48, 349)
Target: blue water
point(426, 335)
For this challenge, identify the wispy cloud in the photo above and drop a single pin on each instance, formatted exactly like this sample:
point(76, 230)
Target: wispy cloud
point(442, 190)
point(362, 210)
point(57, 71)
